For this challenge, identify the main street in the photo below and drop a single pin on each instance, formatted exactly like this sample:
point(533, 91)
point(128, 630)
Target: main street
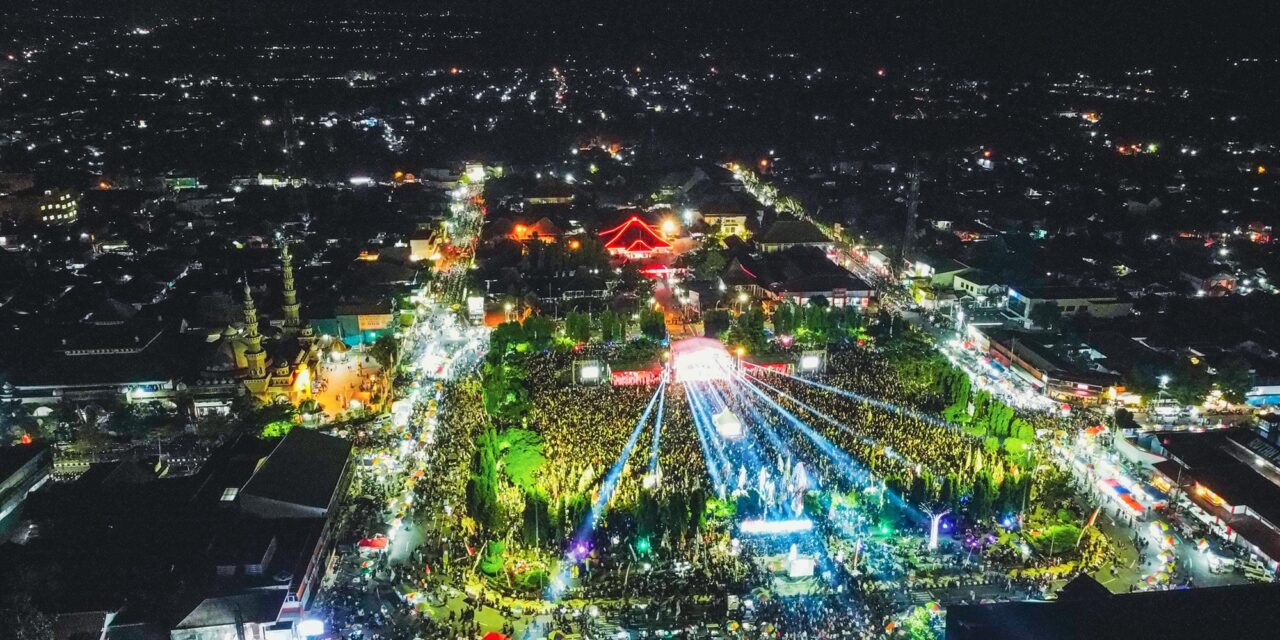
point(397, 450)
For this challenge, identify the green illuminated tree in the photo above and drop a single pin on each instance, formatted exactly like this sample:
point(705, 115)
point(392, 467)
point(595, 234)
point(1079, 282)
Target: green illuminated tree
point(276, 429)
point(539, 331)
point(785, 319)
point(505, 338)
point(612, 327)
point(482, 487)
point(520, 457)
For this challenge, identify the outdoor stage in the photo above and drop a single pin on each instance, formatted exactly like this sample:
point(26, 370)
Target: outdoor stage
point(700, 360)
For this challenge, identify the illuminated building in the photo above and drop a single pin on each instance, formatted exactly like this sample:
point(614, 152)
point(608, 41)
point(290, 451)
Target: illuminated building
point(727, 224)
point(543, 229)
point(292, 324)
point(1097, 303)
point(1028, 357)
point(549, 193)
point(51, 207)
point(267, 367)
point(634, 239)
point(1232, 479)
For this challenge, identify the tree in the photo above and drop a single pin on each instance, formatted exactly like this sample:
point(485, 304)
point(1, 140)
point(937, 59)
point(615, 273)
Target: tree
point(784, 319)
point(991, 444)
point(715, 322)
point(921, 624)
point(482, 487)
point(1234, 379)
point(521, 456)
point(632, 280)
point(577, 326)
point(1125, 420)
point(217, 426)
point(1190, 383)
point(747, 330)
point(21, 620)
point(817, 318)
point(505, 392)
point(505, 338)
point(1022, 430)
point(1045, 315)
point(1144, 378)
point(653, 324)
point(492, 562)
point(950, 492)
point(536, 519)
point(1018, 451)
point(708, 262)
point(539, 331)
point(277, 429)
point(982, 503)
point(385, 351)
point(697, 509)
point(612, 327)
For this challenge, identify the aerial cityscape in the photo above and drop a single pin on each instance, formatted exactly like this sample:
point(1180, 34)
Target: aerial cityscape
point(525, 321)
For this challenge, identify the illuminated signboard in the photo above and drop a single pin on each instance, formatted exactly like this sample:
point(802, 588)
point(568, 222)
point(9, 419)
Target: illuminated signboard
point(373, 322)
point(633, 378)
point(475, 308)
point(780, 367)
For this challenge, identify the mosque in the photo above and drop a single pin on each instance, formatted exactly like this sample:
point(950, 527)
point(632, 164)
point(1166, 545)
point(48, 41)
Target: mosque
point(278, 364)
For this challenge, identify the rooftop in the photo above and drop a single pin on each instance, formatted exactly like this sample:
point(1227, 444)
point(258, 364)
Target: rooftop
point(12, 458)
point(1064, 293)
point(304, 470)
point(1086, 610)
point(1235, 464)
point(792, 232)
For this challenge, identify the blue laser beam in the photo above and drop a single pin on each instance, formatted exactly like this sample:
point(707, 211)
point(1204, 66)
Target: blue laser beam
point(561, 582)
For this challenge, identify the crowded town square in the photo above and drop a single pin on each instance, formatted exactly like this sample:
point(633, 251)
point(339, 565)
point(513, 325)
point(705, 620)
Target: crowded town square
point(519, 496)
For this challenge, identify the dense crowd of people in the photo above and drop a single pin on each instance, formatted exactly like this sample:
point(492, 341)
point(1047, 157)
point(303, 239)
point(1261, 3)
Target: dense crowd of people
point(882, 425)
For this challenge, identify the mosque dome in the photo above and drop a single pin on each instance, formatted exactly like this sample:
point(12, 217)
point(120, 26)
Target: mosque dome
point(225, 353)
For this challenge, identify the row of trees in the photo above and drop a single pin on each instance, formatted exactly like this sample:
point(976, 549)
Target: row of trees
point(505, 450)
point(612, 326)
point(1190, 380)
point(995, 477)
point(813, 323)
point(818, 322)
